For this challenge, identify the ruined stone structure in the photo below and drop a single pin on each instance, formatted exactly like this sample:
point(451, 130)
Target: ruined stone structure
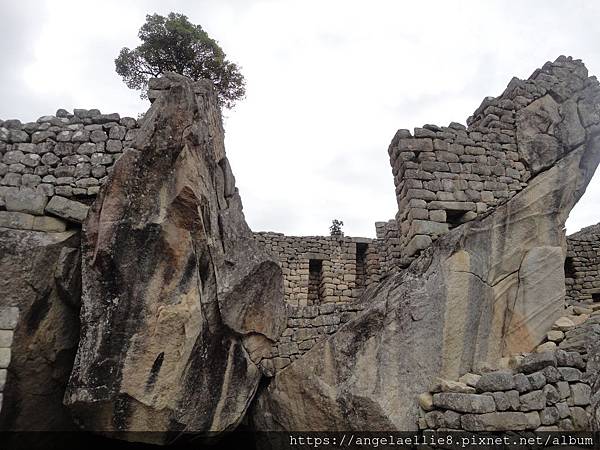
point(582, 266)
point(138, 299)
point(446, 176)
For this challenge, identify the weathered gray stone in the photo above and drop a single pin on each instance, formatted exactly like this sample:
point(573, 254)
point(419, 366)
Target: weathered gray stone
point(6, 338)
point(536, 380)
point(551, 374)
point(570, 373)
point(534, 400)
point(468, 403)
point(452, 419)
point(4, 358)
point(537, 361)
point(502, 401)
point(522, 383)
point(580, 394)
point(441, 385)
point(48, 224)
point(16, 220)
point(26, 201)
point(552, 395)
point(563, 389)
point(563, 410)
point(549, 416)
point(9, 317)
point(499, 421)
point(495, 381)
point(435, 419)
point(470, 379)
point(580, 418)
point(67, 209)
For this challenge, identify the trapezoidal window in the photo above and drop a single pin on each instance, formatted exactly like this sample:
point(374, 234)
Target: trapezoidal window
point(361, 265)
point(454, 217)
point(596, 297)
point(569, 268)
point(315, 275)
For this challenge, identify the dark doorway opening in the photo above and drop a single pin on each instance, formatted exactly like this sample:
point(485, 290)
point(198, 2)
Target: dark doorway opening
point(569, 268)
point(361, 265)
point(315, 276)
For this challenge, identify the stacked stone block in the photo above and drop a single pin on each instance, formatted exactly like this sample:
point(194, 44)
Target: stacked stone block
point(388, 245)
point(69, 155)
point(548, 390)
point(582, 266)
point(335, 258)
point(308, 325)
point(8, 323)
point(446, 176)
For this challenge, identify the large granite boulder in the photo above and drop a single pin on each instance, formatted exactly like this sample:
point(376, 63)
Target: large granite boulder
point(179, 302)
point(489, 288)
point(39, 330)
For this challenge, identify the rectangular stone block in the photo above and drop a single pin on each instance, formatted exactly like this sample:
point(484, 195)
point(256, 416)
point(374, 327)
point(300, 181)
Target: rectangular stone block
point(4, 358)
point(452, 206)
point(26, 201)
point(3, 373)
point(49, 224)
point(468, 403)
point(415, 145)
point(8, 317)
point(500, 421)
point(427, 227)
point(67, 209)
point(16, 220)
point(6, 338)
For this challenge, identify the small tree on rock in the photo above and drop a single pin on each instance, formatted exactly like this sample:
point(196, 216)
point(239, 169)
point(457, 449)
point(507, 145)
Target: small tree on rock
point(174, 44)
point(336, 228)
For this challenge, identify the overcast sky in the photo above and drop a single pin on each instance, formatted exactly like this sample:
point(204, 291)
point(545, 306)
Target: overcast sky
point(328, 84)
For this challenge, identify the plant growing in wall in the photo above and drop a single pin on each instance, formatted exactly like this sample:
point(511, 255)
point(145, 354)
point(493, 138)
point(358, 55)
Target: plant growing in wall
point(336, 228)
point(174, 44)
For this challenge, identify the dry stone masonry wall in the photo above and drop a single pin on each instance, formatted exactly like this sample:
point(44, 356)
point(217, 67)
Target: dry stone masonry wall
point(51, 169)
point(324, 278)
point(446, 176)
point(582, 266)
point(548, 390)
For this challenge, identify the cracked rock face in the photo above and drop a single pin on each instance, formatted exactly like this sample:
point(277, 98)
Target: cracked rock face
point(489, 288)
point(179, 303)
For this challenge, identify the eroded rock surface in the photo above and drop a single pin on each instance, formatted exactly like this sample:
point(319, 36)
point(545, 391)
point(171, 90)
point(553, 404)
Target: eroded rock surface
point(39, 308)
point(179, 302)
point(488, 288)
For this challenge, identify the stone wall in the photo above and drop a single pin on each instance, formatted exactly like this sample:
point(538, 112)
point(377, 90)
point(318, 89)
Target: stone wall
point(66, 154)
point(8, 323)
point(446, 176)
point(548, 390)
point(307, 325)
point(324, 279)
point(582, 266)
point(51, 169)
point(323, 269)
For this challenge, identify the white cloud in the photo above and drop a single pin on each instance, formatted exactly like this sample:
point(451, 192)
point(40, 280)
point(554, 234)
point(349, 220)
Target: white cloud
point(329, 82)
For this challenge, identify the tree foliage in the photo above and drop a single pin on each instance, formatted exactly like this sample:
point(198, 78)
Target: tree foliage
point(336, 228)
point(174, 44)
